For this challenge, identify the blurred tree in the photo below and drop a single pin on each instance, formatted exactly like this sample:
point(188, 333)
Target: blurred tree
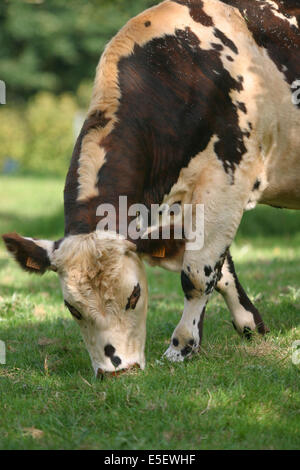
point(39, 136)
point(54, 45)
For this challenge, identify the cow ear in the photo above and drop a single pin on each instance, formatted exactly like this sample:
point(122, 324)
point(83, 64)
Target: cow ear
point(32, 255)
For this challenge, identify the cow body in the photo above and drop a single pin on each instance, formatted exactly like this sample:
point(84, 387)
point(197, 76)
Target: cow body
point(193, 103)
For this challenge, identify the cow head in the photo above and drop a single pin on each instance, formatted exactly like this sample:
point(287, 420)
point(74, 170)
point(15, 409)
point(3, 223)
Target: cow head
point(104, 287)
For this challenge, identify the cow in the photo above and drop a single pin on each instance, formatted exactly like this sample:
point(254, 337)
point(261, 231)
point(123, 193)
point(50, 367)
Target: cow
point(194, 102)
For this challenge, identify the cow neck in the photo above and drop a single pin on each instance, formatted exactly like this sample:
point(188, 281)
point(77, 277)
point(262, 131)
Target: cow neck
point(117, 177)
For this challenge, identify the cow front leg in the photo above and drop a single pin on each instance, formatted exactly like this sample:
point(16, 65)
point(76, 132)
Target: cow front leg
point(188, 334)
point(224, 202)
point(198, 280)
point(246, 317)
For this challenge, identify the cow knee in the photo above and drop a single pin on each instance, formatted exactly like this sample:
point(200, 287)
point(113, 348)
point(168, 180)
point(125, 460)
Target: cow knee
point(190, 284)
point(224, 284)
point(198, 282)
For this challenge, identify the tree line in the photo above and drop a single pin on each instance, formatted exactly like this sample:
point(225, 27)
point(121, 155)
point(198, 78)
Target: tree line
point(54, 45)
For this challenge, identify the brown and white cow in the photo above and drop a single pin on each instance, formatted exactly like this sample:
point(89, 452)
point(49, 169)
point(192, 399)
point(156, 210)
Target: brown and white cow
point(193, 102)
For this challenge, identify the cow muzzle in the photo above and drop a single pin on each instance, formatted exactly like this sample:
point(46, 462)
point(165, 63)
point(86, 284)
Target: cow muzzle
point(108, 368)
point(101, 373)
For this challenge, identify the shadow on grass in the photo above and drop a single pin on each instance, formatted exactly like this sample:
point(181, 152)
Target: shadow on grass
point(68, 347)
point(252, 395)
point(252, 417)
point(66, 356)
point(160, 327)
point(34, 284)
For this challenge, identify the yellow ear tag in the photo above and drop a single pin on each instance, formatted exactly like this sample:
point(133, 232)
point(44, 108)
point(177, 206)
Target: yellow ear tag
point(30, 263)
point(159, 253)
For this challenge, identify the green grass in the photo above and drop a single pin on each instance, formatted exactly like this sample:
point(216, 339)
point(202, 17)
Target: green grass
point(235, 395)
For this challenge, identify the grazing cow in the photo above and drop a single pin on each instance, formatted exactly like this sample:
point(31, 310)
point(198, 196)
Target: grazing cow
point(194, 102)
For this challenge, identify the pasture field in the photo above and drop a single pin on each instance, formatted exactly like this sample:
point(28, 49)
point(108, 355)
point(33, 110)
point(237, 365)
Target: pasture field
point(233, 395)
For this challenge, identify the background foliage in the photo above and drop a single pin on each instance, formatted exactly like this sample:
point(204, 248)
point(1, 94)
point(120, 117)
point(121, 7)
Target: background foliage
point(54, 45)
point(49, 52)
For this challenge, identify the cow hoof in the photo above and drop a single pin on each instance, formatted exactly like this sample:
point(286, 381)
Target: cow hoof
point(263, 329)
point(173, 355)
point(247, 333)
point(178, 355)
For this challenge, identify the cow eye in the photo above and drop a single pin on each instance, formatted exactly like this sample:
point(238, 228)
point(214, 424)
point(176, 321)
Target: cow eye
point(73, 311)
point(133, 299)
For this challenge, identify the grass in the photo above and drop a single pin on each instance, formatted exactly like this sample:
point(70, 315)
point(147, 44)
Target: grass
point(235, 395)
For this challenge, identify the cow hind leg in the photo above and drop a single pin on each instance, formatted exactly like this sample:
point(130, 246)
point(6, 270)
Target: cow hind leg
point(245, 316)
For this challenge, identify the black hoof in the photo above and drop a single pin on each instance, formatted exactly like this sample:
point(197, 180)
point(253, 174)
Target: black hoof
point(247, 333)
